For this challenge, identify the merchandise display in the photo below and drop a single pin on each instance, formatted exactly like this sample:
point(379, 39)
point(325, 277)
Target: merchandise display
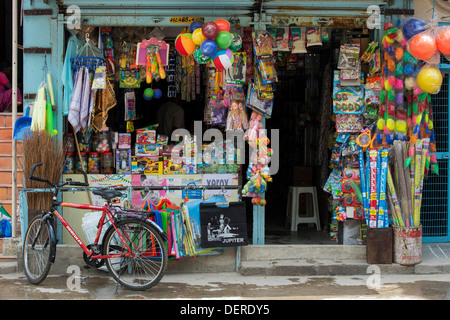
point(171, 113)
point(392, 149)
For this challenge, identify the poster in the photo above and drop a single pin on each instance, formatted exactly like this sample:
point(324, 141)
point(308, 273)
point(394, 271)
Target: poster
point(218, 180)
point(110, 180)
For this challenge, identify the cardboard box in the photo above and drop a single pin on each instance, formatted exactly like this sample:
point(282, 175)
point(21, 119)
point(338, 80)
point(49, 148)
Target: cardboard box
point(173, 167)
point(146, 165)
point(145, 136)
point(146, 149)
point(123, 161)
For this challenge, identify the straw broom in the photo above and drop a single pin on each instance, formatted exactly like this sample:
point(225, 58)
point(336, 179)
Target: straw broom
point(41, 147)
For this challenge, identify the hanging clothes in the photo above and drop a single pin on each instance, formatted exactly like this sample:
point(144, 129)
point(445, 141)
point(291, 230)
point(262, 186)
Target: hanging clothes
point(75, 102)
point(67, 75)
point(85, 97)
point(104, 100)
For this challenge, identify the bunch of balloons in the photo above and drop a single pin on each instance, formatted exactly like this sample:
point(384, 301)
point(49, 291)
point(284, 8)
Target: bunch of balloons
point(210, 41)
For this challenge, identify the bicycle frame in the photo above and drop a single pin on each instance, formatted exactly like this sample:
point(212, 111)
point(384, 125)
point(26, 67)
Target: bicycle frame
point(106, 212)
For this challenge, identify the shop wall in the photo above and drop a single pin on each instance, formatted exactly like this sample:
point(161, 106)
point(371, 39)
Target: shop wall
point(42, 42)
point(423, 9)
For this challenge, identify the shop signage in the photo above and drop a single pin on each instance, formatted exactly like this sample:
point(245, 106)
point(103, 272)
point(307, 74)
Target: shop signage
point(185, 19)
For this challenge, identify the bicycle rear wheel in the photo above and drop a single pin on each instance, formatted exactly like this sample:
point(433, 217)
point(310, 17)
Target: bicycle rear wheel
point(36, 251)
point(148, 261)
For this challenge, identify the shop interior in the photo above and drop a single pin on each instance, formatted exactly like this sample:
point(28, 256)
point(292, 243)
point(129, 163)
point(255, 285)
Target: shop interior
point(301, 113)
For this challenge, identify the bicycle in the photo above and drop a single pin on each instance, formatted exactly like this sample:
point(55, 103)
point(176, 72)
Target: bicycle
point(133, 246)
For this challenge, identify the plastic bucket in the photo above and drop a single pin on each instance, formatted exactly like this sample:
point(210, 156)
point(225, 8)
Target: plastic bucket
point(407, 245)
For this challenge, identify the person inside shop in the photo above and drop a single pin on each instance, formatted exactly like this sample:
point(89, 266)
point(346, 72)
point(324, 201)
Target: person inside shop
point(6, 88)
point(170, 116)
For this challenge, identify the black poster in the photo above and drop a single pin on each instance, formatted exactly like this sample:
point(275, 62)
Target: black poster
point(223, 225)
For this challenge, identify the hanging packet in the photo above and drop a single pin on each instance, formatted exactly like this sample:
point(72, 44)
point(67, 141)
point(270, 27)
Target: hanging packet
point(282, 39)
point(218, 111)
point(313, 37)
point(298, 40)
point(262, 43)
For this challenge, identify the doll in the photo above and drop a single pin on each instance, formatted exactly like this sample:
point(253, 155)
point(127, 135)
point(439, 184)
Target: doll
point(237, 118)
point(253, 128)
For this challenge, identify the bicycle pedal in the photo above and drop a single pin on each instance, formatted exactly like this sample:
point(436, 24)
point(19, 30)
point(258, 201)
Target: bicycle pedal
point(86, 266)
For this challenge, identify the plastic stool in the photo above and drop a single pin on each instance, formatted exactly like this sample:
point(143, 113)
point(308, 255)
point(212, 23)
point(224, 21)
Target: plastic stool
point(293, 206)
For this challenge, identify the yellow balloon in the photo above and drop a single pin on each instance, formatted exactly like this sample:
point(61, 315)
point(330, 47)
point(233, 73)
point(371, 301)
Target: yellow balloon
point(390, 124)
point(429, 79)
point(198, 37)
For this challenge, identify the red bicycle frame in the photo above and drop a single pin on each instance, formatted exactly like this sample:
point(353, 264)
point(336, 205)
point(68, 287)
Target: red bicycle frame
point(105, 213)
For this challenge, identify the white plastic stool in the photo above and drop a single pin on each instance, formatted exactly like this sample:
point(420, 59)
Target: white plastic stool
point(293, 206)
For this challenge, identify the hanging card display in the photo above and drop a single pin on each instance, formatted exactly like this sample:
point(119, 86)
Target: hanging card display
point(347, 99)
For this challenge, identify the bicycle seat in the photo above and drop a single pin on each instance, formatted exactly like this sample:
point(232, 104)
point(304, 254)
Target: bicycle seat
point(108, 194)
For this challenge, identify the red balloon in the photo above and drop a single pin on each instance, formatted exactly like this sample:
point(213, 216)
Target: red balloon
point(422, 46)
point(222, 24)
point(443, 41)
point(210, 30)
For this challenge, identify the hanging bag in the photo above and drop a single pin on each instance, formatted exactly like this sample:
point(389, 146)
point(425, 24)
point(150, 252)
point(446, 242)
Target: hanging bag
point(223, 224)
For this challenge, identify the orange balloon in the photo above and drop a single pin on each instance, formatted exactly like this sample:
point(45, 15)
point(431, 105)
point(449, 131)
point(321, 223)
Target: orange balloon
point(391, 65)
point(443, 41)
point(223, 24)
point(422, 46)
point(399, 54)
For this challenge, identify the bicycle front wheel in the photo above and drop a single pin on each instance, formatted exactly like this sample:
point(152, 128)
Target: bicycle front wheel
point(36, 251)
point(140, 255)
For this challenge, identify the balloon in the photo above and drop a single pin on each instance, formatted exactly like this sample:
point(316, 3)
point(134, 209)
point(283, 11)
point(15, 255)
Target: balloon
point(157, 93)
point(209, 48)
point(422, 46)
point(236, 43)
point(200, 57)
point(413, 26)
point(195, 25)
point(222, 24)
point(223, 59)
point(210, 30)
point(148, 94)
point(184, 44)
point(198, 37)
point(399, 54)
point(391, 65)
point(443, 41)
point(224, 39)
point(429, 79)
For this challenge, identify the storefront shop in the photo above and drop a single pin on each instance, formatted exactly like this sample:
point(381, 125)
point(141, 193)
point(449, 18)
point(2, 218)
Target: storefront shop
point(316, 76)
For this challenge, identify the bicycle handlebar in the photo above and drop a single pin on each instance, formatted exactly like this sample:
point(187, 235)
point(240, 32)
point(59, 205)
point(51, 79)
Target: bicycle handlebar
point(67, 182)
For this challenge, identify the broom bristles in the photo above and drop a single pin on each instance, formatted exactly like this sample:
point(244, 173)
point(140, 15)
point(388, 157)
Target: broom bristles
point(40, 147)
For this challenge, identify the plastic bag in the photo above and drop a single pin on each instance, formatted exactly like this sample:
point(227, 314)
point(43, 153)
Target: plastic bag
point(5, 228)
point(422, 45)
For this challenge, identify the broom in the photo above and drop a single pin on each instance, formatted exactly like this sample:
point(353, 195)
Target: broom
point(41, 147)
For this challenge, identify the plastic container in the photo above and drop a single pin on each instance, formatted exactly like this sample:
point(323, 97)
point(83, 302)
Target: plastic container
point(69, 142)
point(69, 165)
point(107, 163)
point(84, 160)
point(94, 162)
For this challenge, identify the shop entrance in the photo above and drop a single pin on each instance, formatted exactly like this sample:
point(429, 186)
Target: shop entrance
point(303, 115)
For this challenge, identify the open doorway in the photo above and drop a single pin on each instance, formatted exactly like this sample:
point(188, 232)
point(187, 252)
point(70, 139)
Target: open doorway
point(303, 114)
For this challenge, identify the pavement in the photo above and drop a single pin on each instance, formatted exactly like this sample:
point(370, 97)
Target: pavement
point(312, 273)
